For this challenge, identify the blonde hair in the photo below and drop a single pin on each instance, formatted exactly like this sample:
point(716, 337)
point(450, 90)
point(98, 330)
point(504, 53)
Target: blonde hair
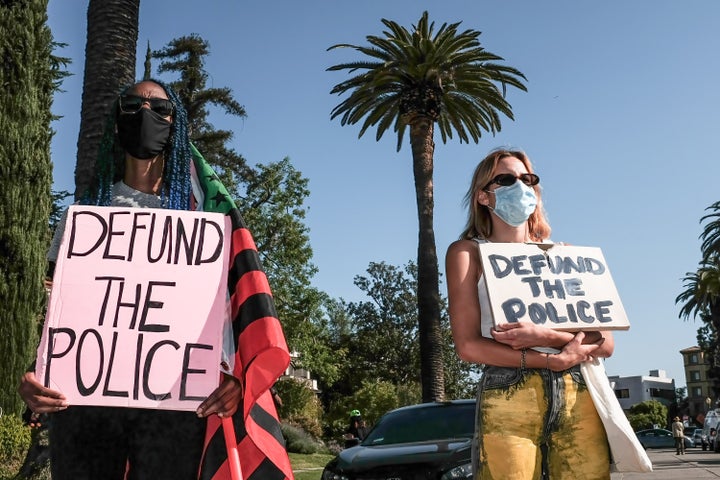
point(479, 223)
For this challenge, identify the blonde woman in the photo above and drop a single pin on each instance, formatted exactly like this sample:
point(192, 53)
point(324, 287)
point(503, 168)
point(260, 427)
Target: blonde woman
point(535, 416)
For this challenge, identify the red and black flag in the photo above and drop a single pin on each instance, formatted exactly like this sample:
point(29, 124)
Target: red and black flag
point(261, 353)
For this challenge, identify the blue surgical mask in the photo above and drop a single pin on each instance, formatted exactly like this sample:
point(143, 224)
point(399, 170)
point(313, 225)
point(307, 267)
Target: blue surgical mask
point(514, 204)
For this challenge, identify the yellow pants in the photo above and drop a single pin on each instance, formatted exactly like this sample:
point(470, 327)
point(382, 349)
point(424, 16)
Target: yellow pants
point(538, 424)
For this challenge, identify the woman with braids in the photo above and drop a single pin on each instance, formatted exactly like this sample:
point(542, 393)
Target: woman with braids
point(150, 125)
point(535, 416)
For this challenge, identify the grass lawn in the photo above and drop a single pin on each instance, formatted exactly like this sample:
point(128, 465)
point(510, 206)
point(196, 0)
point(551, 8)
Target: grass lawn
point(309, 467)
point(305, 467)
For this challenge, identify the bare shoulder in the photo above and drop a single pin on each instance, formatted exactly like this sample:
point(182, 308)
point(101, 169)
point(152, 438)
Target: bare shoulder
point(462, 255)
point(462, 245)
point(462, 248)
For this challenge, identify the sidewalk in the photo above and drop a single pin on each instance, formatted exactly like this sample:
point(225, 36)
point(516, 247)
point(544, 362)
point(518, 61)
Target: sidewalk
point(695, 464)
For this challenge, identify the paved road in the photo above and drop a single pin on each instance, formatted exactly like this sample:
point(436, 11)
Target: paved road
point(694, 465)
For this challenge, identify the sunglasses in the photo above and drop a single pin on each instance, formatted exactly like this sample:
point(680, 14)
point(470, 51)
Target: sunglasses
point(507, 179)
point(133, 104)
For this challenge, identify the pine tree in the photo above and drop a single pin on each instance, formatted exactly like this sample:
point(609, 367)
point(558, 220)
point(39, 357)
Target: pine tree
point(28, 80)
point(186, 56)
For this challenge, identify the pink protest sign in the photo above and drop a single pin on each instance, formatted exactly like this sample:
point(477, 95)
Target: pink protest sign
point(137, 308)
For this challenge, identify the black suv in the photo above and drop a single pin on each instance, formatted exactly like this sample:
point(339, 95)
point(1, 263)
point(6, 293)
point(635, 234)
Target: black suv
point(425, 441)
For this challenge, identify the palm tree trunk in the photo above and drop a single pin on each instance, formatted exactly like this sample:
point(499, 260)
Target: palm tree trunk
point(714, 373)
point(112, 32)
point(428, 295)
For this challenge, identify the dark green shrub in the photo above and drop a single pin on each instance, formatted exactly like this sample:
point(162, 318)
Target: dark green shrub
point(300, 406)
point(14, 442)
point(297, 440)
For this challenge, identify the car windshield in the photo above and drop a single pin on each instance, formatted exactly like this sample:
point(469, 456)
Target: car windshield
point(438, 422)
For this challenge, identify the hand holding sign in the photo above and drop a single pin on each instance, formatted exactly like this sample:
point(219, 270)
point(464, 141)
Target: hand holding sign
point(520, 335)
point(38, 398)
point(224, 400)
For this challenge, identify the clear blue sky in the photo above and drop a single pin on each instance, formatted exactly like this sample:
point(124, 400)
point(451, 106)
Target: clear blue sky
point(620, 118)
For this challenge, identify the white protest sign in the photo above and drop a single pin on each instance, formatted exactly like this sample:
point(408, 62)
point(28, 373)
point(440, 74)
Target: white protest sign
point(557, 286)
point(137, 308)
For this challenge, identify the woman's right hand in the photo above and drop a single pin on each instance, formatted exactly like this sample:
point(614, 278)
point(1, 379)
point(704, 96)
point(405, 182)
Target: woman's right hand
point(575, 352)
point(39, 398)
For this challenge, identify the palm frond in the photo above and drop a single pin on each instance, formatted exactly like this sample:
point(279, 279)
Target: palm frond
point(468, 82)
point(711, 232)
point(701, 294)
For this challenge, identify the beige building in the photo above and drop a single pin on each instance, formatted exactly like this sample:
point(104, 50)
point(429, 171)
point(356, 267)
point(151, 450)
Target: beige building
point(699, 391)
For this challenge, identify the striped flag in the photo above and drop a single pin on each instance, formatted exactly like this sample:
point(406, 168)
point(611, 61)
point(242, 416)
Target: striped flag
point(261, 353)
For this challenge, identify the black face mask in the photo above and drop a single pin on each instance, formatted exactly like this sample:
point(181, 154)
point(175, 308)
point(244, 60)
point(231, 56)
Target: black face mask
point(143, 134)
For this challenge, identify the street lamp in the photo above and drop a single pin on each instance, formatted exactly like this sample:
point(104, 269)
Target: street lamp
point(708, 401)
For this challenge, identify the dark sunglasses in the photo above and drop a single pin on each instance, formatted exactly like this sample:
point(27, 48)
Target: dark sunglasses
point(507, 179)
point(133, 104)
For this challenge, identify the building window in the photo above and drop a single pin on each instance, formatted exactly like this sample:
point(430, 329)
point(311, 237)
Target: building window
point(662, 393)
point(697, 392)
point(694, 358)
point(622, 393)
point(695, 376)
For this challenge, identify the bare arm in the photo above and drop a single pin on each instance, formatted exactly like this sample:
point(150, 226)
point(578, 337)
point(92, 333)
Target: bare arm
point(527, 334)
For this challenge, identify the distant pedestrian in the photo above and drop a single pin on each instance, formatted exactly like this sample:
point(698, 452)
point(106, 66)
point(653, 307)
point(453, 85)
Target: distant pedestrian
point(356, 431)
point(277, 400)
point(678, 431)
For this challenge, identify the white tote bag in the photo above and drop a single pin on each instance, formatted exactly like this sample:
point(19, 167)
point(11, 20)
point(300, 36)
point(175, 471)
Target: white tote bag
point(627, 453)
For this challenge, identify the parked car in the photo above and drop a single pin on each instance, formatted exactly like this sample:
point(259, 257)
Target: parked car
point(700, 439)
point(712, 419)
point(660, 438)
point(429, 440)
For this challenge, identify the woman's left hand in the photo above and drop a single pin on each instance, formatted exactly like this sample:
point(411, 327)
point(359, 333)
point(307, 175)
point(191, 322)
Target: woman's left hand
point(224, 400)
point(521, 335)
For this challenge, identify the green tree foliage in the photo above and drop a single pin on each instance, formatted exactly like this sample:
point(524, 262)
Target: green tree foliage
point(57, 208)
point(385, 343)
point(646, 414)
point(185, 56)
point(271, 198)
point(28, 81)
point(701, 294)
point(273, 207)
point(379, 337)
point(417, 78)
point(300, 406)
point(373, 398)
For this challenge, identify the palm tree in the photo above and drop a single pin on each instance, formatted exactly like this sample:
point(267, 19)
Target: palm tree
point(112, 31)
point(701, 294)
point(416, 79)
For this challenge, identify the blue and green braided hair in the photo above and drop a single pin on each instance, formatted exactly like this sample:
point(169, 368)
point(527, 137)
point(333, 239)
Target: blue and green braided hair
point(110, 163)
